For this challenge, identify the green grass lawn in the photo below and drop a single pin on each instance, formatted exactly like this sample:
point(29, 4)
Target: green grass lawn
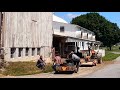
point(109, 56)
point(24, 68)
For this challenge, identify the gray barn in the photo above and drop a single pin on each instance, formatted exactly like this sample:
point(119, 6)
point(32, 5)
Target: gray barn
point(25, 35)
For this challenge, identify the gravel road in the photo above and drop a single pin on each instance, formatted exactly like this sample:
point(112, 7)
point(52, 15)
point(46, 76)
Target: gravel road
point(110, 71)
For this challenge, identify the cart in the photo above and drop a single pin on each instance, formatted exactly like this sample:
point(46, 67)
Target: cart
point(67, 66)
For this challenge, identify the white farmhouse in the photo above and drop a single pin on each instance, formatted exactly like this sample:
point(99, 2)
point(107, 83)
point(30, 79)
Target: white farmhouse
point(68, 36)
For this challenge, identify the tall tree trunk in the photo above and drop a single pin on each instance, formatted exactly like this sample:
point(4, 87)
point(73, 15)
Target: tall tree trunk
point(110, 47)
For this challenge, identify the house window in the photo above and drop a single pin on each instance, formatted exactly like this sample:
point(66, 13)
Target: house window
point(13, 52)
point(62, 28)
point(81, 34)
point(38, 51)
point(76, 44)
point(33, 51)
point(82, 43)
point(20, 52)
point(87, 35)
point(27, 52)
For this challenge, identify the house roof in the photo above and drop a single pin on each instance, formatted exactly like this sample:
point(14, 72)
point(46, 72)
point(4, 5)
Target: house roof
point(58, 19)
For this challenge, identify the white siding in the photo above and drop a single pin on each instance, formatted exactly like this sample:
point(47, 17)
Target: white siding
point(89, 36)
point(93, 38)
point(69, 29)
point(78, 34)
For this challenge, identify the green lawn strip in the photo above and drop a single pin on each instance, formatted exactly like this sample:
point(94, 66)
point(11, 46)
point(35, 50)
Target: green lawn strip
point(110, 56)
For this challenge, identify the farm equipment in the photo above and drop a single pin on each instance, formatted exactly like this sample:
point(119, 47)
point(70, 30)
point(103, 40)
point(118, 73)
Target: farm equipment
point(92, 62)
point(93, 59)
point(67, 66)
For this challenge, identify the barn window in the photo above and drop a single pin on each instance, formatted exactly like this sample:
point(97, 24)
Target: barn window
point(20, 52)
point(13, 52)
point(62, 28)
point(38, 51)
point(33, 51)
point(27, 52)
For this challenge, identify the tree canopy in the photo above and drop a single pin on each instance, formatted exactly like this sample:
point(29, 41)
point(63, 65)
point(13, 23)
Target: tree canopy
point(105, 31)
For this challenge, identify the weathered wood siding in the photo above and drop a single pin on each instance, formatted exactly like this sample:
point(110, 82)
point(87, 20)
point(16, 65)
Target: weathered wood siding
point(28, 29)
point(0, 29)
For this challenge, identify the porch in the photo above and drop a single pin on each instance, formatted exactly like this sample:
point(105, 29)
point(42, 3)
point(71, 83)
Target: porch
point(63, 44)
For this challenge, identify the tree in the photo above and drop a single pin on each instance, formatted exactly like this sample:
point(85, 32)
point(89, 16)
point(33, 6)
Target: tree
point(105, 31)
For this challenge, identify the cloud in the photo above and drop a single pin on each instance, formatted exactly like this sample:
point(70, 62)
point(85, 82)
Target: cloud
point(70, 15)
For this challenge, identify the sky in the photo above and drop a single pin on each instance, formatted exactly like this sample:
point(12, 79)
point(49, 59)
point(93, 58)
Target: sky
point(111, 16)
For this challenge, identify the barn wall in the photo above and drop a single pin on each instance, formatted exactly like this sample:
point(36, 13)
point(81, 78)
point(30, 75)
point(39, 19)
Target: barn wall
point(28, 29)
point(0, 29)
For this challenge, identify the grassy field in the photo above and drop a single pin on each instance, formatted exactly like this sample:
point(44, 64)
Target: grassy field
point(24, 68)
